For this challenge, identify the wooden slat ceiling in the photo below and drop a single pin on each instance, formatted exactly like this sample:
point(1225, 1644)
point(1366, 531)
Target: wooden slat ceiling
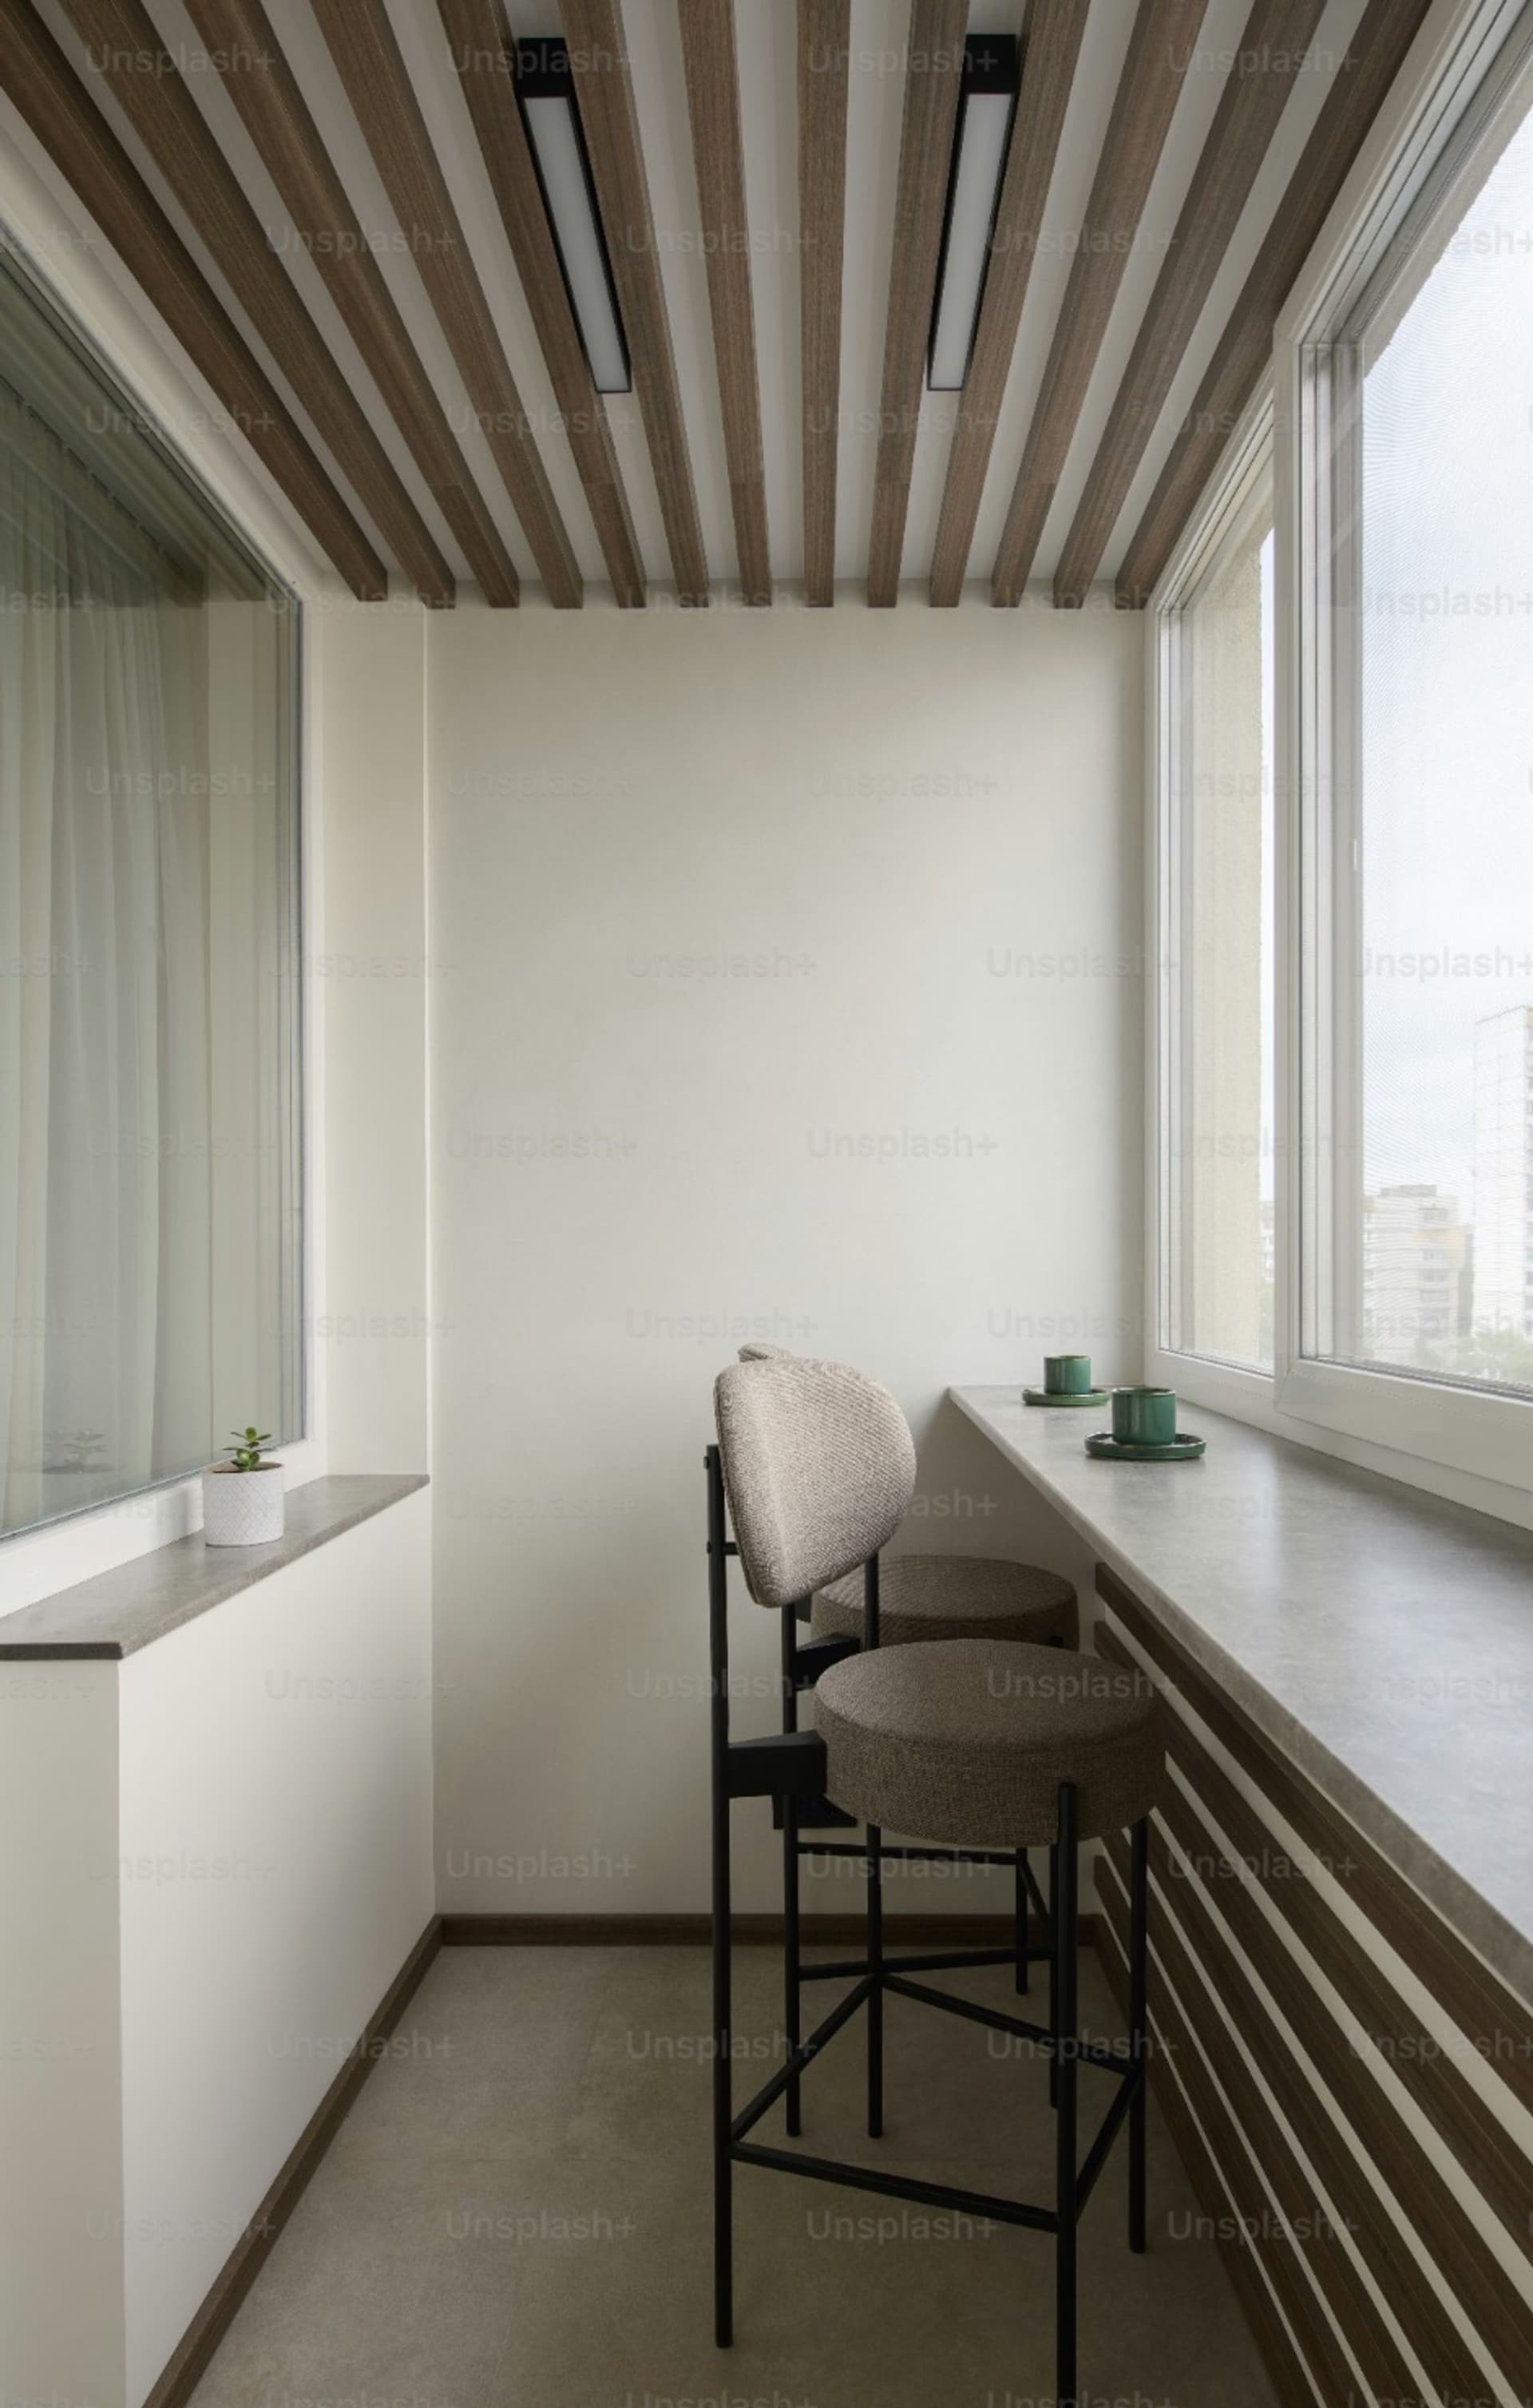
point(333, 207)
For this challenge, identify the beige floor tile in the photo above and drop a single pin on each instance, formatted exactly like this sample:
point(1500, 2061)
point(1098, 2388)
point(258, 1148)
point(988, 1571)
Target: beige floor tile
point(517, 2215)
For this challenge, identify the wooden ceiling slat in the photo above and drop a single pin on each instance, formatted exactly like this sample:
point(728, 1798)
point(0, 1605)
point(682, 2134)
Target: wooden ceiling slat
point(598, 55)
point(484, 50)
point(122, 36)
point(239, 36)
point(825, 40)
point(713, 103)
point(367, 57)
point(1372, 60)
point(1054, 28)
point(1164, 32)
point(932, 75)
point(1256, 90)
point(71, 128)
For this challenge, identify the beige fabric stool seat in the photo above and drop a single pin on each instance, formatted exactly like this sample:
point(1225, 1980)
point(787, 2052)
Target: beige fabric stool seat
point(969, 1742)
point(953, 1597)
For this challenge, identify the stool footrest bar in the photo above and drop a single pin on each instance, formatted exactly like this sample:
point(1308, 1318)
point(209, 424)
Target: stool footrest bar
point(926, 2194)
point(797, 2058)
point(970, 2008)
point(952, 1962)
point(1112, 2123)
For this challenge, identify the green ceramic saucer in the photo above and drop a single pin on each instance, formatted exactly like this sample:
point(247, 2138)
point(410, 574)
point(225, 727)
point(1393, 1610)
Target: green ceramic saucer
point(1047, 1397)
point(1107, 1449)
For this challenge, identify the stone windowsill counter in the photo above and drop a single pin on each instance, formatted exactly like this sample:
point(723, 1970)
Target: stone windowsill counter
point(119, 1611)
point(1380, 1638)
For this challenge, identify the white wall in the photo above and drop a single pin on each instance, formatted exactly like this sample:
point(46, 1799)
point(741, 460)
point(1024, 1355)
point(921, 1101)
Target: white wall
point(218, 1858)
point(368, 974)
point(275, 1867)
point(61, 2126)
point(786, 980)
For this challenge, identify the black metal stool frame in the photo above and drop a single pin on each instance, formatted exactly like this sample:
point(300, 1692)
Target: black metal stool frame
point(801, 1668)
point(790, 1767)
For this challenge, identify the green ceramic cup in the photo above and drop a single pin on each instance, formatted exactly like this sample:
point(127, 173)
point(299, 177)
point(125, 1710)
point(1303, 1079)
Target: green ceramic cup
point(1144, 1416)
point(1066, 1375)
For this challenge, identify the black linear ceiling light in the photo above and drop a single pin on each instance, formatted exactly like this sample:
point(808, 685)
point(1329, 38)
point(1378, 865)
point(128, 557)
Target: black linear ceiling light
point(545, 92)
point(987, 101)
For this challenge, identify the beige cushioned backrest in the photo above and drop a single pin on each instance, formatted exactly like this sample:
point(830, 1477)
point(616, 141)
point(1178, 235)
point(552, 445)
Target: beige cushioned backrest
point(819, 1465)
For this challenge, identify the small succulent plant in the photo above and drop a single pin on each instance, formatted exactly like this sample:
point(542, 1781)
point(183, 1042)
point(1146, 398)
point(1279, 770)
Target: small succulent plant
point(244, 1454)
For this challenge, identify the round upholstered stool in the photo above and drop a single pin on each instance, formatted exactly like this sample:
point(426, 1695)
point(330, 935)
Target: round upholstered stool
point(953, 1597)
point(972, 1743)
point(984, 1747)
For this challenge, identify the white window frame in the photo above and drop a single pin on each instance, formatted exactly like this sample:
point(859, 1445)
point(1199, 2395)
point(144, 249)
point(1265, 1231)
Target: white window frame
point(1208, 1378)
point(1472, 60)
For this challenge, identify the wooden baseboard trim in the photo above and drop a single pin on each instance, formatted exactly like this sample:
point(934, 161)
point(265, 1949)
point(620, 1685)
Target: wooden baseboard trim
point(930, 1932)
point(188, 2362)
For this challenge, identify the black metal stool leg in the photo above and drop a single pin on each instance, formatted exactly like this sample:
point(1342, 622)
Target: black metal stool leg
point(1067, 2062)
point(875, 1898)
point(1053, 1969)
point(792, 1976)
point(724, 2167)
point(1020, 1935)
point(875, 1996)
point(723, 2312)
point(1139, 2038)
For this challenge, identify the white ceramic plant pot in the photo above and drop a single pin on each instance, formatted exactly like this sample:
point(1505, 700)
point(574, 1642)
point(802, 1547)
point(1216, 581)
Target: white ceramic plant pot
point(242, 1509)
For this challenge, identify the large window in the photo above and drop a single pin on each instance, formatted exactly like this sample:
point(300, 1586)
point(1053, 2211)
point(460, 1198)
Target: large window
point(1343, 1201)
point(149, 1172)
point(1418, 1236)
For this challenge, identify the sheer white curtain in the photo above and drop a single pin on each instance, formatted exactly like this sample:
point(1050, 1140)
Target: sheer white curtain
point(105, 1159)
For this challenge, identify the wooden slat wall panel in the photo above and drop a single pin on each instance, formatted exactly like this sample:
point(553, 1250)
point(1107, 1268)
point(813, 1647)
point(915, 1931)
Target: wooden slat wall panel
point(1462, 2119)
point(1314, 2360)
point(482, 49)
point(1372, 60)
point(593, 30)
point(1491, 2016)
point(1055, 29)
point(713, 101)
point(371, 65)
point(260, 83)
point(825, 36)
point(1283, 2363)
point(1451, 2366)
point(1269, 58)
point(1228, 1851)
point(1191, 2034)
point(122, 36)
point(67, 122)
point(1164, 32)
point(933, 76)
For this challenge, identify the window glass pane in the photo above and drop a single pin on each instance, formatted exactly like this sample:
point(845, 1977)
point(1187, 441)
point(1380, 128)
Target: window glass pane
point(150, 1215)
point(1218, 1184)
point(1434, 1074)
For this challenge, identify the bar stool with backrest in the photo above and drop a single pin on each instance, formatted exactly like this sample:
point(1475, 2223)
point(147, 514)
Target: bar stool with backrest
point(972, 1744)
point(920, 1597)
